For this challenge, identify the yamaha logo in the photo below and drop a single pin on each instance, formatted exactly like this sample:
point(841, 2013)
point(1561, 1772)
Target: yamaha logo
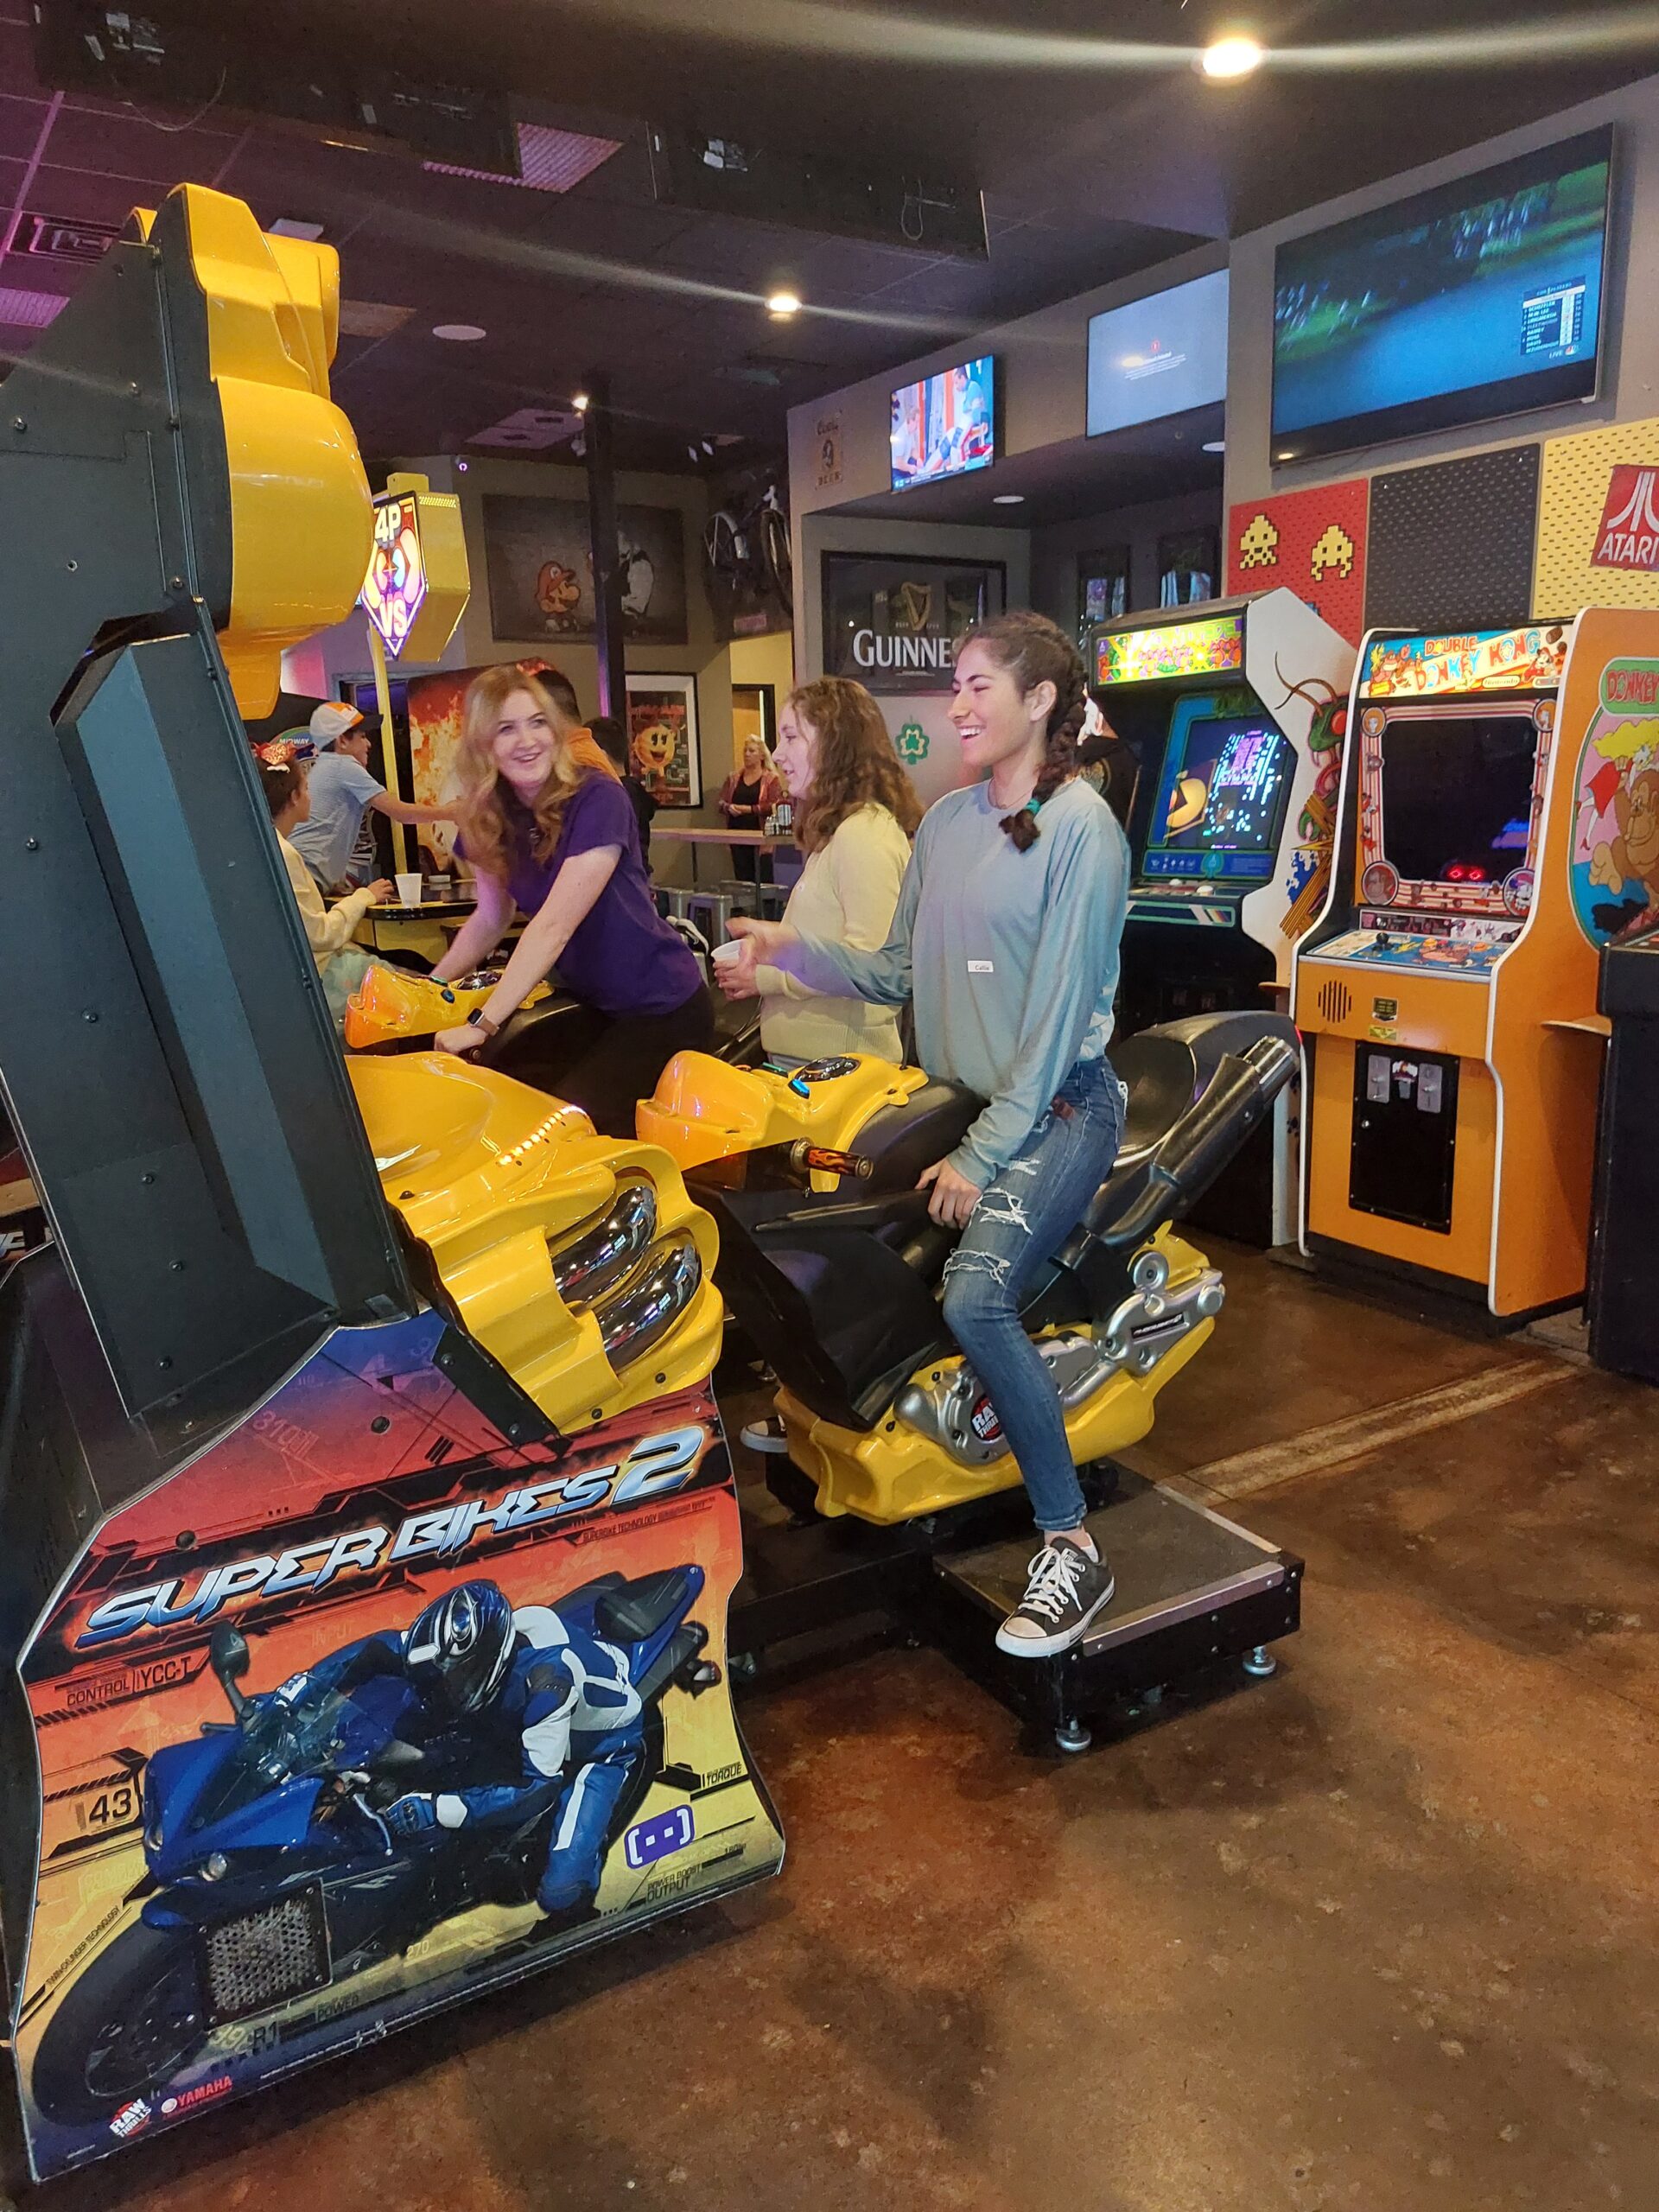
point(1628, 536)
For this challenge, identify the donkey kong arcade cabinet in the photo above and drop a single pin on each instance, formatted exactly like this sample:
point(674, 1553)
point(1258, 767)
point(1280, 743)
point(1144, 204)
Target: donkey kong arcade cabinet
point(1446, 997)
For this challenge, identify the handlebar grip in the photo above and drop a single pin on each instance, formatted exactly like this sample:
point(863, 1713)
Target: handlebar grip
point(823, 1159)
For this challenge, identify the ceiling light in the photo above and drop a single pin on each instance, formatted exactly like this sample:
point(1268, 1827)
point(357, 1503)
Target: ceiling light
point(289, 226)
point(781, 305)
point(1215, 445)
point(459, 334)
point(1228, 59)
point(580, 402)
point(1009, 500)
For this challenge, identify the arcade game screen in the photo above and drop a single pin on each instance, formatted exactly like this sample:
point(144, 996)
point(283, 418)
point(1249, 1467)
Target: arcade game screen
point(1457, 796)
point(1221, 803)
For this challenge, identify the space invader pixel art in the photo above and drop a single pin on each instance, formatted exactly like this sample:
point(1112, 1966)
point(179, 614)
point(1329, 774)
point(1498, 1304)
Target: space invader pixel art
point(1313, 542)
point(1258, 543)
point(1336, 552)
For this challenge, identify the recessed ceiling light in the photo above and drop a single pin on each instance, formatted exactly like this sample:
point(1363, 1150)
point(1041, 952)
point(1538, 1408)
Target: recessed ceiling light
point(580, 402)
point(781, 305)
point(1007, 499)
point(460, 334)
point(1215, 445)
point(1228, 59)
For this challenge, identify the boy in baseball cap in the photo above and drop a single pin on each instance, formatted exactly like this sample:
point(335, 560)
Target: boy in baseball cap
point(343, 791)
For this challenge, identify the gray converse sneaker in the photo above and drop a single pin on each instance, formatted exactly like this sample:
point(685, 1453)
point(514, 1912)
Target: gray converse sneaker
point(765, 1435)
point(1067, 1589)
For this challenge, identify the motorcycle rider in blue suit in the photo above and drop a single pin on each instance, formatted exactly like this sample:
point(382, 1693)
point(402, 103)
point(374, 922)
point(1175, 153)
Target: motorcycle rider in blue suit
point(481, 1671)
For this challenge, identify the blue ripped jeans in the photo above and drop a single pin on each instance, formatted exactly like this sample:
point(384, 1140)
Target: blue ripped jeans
point(1023, 1218)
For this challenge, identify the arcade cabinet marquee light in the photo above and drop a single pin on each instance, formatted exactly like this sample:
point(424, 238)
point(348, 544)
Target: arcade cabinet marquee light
point(416, 586)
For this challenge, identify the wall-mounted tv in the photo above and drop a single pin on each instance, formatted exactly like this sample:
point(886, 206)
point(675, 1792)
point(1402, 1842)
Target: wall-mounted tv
point(945, 425)
point(1481, 298)
point(1159, 356)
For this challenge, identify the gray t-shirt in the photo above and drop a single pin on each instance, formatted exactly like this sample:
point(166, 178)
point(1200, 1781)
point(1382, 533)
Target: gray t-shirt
point(341, 791)
point(1014, 956)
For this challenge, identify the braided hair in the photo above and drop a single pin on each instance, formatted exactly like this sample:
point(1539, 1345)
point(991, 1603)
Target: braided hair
point(1035, 651)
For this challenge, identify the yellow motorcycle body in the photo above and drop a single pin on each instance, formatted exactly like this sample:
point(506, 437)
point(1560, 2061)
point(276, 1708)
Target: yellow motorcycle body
point(391, 1004)
point(583, 1264)
point(708, 1116)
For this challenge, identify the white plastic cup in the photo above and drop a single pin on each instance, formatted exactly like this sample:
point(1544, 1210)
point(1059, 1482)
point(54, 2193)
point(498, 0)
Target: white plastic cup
point(409, 888)
point(724, 955)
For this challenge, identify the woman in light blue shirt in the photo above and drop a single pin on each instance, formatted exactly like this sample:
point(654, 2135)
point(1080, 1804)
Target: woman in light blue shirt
point(1007, 935)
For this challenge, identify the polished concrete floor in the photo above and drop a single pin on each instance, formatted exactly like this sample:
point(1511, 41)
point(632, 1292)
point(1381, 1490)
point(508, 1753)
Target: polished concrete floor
point(1382, 1933)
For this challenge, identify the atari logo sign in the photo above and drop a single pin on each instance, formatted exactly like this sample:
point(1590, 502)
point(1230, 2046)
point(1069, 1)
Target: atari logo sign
point(1628, 536)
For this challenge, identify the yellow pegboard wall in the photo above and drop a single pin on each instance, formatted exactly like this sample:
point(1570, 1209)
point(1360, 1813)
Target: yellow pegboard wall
point(1578, 476)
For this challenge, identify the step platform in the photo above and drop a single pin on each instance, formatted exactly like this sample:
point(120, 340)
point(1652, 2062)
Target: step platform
point(1193, 1590)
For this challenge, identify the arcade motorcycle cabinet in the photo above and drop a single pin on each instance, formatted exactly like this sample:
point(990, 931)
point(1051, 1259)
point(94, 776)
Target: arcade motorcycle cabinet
point(251, 1428)
point(1234, 713)
point(1447, 994)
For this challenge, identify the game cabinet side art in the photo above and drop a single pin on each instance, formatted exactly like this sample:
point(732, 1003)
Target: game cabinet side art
point(274, 1825)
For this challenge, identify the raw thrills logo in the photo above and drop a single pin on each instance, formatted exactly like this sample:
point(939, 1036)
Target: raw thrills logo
point(656, 1466)
point(1628, 536)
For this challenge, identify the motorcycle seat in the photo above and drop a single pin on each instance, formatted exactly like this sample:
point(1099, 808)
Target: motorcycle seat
point(1162, 1076)
point(902, 1140)
point(634, 1610)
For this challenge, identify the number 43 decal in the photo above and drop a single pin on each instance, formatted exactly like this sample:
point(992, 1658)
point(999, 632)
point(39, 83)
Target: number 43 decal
point(109, 1804)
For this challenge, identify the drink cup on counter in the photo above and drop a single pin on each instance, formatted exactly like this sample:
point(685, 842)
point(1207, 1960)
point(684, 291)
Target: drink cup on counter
point(409, 888)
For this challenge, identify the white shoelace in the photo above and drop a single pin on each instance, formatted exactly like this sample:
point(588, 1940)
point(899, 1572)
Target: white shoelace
point(1055, 1573)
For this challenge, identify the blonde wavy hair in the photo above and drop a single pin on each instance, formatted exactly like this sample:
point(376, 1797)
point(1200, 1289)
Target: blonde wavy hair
point(481, 809)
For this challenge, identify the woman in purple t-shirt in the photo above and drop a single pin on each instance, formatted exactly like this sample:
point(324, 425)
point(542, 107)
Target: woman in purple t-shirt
point(551, 835)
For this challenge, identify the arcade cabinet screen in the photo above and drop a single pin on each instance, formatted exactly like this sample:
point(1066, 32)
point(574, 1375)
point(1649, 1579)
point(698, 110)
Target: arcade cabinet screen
point(1480, 298)
point(1221, 804)
point(1456, 796)
point(946, 425)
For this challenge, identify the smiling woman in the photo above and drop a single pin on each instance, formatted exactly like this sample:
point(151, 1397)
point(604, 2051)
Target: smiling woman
point(548, 829)
point(1006, 938)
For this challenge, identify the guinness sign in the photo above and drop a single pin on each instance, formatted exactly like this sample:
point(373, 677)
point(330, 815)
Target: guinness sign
point(895, 625)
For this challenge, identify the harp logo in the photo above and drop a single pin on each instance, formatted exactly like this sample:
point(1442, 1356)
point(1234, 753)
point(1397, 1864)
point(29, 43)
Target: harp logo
point(1628, 536)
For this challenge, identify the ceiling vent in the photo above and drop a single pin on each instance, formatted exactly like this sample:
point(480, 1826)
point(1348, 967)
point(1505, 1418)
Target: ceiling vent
point(28, 311)
point(549, 159)
point(531, 429)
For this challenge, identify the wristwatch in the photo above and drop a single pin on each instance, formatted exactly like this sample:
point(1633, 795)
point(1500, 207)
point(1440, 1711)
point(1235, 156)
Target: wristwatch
point(479, 1020)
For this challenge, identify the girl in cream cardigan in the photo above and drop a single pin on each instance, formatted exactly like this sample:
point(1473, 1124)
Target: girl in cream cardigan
point(855, 812)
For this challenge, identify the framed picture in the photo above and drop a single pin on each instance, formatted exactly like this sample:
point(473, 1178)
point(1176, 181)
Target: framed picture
point(1189, 566)
point(663, 741)
point(1103, 585)
point(892, 624)
point(538, 559)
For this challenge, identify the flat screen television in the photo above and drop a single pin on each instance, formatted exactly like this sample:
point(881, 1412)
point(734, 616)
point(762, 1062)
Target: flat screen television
point(1159, 356)
point(945, 424)
point(1480, 298)
point(1221, 799)
point(1457, 796)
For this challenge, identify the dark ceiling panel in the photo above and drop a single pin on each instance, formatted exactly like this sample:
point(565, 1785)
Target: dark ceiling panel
point(129, 145)
point(20, 127)
point(1090, 174)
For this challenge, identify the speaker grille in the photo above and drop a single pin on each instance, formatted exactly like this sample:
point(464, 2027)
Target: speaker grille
point(265, 1957)
point(1335, 1001)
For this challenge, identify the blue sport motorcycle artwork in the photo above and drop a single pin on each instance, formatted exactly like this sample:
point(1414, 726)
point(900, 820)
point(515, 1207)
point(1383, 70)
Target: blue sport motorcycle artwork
point(484, 1756)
